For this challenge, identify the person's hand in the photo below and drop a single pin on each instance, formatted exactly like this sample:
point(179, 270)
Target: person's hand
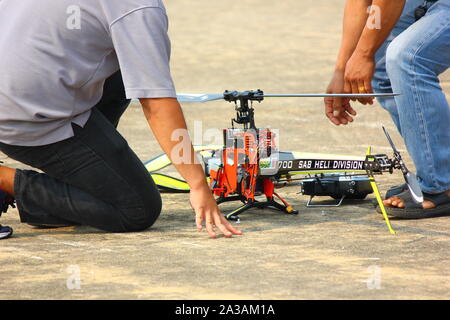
point(338, 110)
point(358, 76)
point(207, 211)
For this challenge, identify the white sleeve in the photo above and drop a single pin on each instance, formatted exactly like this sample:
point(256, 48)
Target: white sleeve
point(142, 46)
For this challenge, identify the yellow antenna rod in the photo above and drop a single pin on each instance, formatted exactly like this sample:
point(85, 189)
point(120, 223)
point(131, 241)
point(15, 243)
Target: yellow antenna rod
point(373, 183)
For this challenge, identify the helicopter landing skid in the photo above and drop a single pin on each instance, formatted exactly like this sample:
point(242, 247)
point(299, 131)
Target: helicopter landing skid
point(270, 203)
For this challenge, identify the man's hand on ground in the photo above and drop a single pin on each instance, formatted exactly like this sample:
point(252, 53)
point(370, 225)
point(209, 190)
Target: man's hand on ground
point(338, 110)
point(207, 212)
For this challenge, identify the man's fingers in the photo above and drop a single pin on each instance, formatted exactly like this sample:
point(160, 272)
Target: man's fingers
point(229, 226)
point(199, 222)
point(209, 226)
point(355, 89)
point(329, 107)
point(343, 120)
point(332, 118)
point(337, 107)
point(336, 121)
point(368, 86)
point(328, 101)
point(362, 89)
point(348, 117)
point(329, 113)
point(338, 110)
point(339, 119)
point(222, 225)
point(348, 89)
point(224, 230)
point(349, 109)
point(367, 89)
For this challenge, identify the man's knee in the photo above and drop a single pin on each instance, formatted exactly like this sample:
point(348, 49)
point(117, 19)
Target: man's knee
point(399, 59)
point(151, 212)
point(137, 213)
point(143, 217)
point(405, 60)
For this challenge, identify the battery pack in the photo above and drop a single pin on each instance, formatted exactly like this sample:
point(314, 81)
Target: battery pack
point(337, 187)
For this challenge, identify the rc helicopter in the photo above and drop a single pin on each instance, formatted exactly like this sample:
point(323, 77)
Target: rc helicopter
point(249, 163)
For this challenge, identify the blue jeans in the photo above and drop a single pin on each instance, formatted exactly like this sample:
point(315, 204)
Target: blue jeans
point(409, 63)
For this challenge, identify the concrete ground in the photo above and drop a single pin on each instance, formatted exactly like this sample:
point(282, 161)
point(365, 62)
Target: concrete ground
point(324, 253)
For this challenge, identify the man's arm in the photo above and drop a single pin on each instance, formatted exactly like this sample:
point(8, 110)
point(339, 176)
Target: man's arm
point(165, 117)
point(361, 65)
point(372, 38)
point(359, 68)
point(355, 19)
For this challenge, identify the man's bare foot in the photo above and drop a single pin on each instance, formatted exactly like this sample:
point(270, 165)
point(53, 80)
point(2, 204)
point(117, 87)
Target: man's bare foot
point(398, 203)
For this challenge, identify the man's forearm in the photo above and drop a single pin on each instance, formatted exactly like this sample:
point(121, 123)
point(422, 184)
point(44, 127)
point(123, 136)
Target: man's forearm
point(372, 38)
point(165, 116)
point(355, 19)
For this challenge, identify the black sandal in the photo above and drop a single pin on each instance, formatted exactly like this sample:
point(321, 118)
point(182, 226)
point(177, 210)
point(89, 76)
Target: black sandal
point(413, 210)
point(393, 191)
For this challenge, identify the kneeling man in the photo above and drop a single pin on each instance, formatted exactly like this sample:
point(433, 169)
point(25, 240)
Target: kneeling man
point(55, 57)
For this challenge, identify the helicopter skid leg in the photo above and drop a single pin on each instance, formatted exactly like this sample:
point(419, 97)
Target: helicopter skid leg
point(272, 204)
point(269, 204)
point(233, 215)
point(310, 203)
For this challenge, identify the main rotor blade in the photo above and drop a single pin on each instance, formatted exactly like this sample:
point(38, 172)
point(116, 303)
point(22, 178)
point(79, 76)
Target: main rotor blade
point(332, 95)
point(188, 97)
point(200, 97)
point(194, 97)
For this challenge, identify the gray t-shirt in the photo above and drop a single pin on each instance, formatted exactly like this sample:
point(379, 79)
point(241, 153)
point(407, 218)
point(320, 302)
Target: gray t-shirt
point(56, 54)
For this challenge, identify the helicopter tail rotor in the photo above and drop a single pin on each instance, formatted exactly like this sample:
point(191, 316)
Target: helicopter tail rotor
point(410, 178)
point(414, 187)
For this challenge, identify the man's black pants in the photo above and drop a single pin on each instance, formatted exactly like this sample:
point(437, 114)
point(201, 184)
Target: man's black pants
point(93, 178)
